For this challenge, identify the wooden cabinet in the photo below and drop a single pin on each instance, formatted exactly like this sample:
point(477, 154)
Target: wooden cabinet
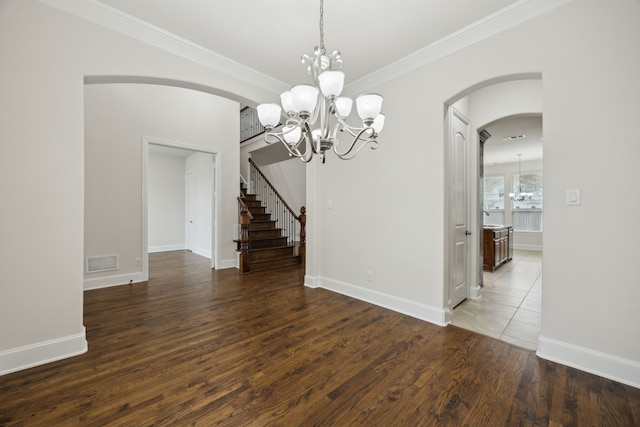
point(496, 247)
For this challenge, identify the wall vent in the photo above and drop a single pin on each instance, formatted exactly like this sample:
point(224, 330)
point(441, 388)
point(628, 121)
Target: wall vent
point(514, 137)
point(96, 264)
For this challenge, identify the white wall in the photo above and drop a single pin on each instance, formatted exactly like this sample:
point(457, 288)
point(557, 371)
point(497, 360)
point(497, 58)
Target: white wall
point(46, 55)
point(165, 198)
point(588, 54)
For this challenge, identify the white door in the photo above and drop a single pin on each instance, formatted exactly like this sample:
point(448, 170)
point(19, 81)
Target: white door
point(458, 140)
point(188, 211)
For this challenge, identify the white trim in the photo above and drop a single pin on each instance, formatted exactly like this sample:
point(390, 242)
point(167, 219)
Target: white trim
point(167, 248)
point(475, 292)
point(17, 359)
point(602, 364)
point(311, 282)
point(227, 263)
point(504, 19)
point(116, 280)
point(400, 305)
point(528, 247)
point(116, 20)
point(202, 252)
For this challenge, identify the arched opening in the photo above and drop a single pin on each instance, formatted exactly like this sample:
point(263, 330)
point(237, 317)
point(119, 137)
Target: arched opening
point(122, 117)
point(494, 102)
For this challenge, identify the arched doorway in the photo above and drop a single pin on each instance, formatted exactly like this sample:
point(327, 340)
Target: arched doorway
point(483, 104)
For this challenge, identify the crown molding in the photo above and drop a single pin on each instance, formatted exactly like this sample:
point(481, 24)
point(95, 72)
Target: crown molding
point(106, 16)
point(502, 20)
point(116, 20)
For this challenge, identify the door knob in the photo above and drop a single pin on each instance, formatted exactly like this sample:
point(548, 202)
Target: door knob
point(467, 233)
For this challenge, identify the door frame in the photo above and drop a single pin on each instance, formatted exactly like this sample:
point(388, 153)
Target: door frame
point(215, 209)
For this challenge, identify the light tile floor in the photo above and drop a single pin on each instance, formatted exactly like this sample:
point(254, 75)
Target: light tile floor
point(509, 307)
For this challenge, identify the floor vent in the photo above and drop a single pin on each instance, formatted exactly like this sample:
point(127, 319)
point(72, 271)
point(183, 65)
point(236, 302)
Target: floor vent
point(96, 264)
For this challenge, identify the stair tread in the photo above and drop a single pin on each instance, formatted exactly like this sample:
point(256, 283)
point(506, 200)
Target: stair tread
point(267, 238)
point(270, 248)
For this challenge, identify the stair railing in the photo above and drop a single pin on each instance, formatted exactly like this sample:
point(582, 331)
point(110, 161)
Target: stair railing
point(292, 225)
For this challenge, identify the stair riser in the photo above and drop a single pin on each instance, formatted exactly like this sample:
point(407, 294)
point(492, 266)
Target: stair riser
point(257, 210)
point(261, 217)
point(265, 265)
point(270, 254)
point(258, 234)
point(267, 225)
point(257, 244)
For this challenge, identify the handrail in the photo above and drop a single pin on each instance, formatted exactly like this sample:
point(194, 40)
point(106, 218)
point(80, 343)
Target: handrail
point(242, 205)
point(273, 189)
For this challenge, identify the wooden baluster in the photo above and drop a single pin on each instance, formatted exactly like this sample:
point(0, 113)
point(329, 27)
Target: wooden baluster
point(303, 235)
point(245, 260)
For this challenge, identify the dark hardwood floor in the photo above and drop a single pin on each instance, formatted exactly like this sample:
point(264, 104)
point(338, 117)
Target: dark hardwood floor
point(196, 346)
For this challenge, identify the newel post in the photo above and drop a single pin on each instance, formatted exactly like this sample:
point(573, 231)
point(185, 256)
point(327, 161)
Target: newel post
point(303, 235)
point(245, 262)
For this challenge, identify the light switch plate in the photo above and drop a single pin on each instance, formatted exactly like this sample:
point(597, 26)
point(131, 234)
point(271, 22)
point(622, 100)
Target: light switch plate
point(574, 197)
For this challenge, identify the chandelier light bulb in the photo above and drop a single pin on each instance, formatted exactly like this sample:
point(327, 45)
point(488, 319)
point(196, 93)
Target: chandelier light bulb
point(331, 83)
point(378, 123)
point(287, 102)
point(343, 106)
point(269, 115)
point(304, 98)
point(369, 106)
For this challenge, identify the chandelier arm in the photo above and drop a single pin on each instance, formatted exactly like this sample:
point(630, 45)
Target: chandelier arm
point(306, 156)
point(346, 155)
point(356, 138)
point(308, 136)
point(356, 132)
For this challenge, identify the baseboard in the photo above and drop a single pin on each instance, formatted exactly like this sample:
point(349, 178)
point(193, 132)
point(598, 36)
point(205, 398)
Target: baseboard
point(605, 365)
point(20, 358)
point(475, 292)
point(202, 252)
point(527, 247)
point(165, 248)
point(410, 308)
point(310, 281)
point(227, 263)
point(107, 281)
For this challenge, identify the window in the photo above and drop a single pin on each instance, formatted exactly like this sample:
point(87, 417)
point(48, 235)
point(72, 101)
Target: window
point(527, 214)
point(493, 204)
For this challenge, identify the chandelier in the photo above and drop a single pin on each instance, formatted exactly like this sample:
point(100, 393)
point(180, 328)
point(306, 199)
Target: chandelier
point(317, 114)
point(519, 195)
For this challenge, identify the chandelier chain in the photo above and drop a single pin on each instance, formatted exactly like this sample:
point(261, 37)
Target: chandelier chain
point(322, 49)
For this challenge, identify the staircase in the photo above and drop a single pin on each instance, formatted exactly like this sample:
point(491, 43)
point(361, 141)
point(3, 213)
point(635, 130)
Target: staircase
point(267, 246)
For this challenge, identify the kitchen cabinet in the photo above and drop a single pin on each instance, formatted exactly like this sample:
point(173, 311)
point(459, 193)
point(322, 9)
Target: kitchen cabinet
point(497, 247)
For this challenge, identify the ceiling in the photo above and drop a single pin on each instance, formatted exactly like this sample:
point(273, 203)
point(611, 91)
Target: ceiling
point(499, 149)
point(270, 36)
